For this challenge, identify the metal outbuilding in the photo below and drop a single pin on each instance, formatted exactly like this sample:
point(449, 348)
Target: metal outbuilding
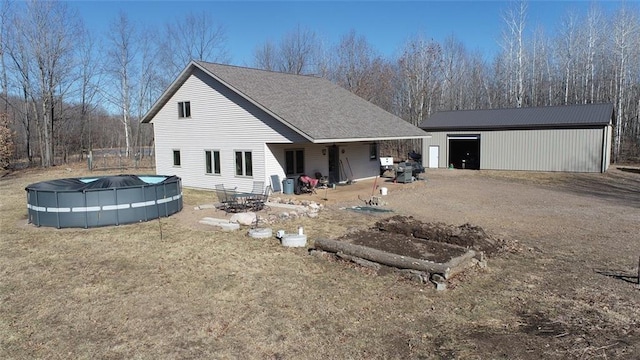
point(572, 138)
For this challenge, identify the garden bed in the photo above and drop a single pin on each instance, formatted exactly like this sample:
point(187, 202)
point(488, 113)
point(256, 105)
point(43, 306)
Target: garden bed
point(425, 251)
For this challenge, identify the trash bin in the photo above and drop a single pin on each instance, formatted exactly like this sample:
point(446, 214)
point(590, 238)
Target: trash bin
point(287, 186)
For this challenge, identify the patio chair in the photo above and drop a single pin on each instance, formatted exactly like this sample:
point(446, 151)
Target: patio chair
point(258, 203)
point(258, 187)
point(228, 202)
point(307, 184)
point(323, 181)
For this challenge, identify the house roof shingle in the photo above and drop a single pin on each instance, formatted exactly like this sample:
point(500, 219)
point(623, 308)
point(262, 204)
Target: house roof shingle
point(568, 116)
point(314, 107)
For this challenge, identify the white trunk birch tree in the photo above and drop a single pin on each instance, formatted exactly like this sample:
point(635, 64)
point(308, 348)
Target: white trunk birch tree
point(625, 32)
point(515, 21)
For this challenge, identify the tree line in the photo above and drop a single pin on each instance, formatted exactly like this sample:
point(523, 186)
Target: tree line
point(65, 89)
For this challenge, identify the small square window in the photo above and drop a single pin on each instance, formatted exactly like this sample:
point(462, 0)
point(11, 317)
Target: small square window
point(176, 157)
point(184, 109)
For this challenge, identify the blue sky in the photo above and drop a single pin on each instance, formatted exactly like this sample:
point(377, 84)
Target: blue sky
point(386, 25)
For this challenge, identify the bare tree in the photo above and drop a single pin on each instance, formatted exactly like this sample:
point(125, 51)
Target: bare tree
point(418, 80)
point(4, 81)
point(121, 67)
point(478, 83)
point(454, 73)
point(266, 56)
point(625, 33)
point(15, 48)
point(298, 52)
point(419, 71)
point(515, 20)
point(6, 142)
point(353, 58)
point(592, 42)
point(146, 86)
point(43, 55)
point(88, 88)
point(196, 36)
point(356, 66)
point(567, 54)
point(539, 82)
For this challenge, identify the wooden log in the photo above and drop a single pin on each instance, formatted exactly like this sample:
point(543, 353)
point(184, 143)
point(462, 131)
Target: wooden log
point(322, 254)
point(360, 261)
point(414, 275)
point(462, 262)
point(383, 257)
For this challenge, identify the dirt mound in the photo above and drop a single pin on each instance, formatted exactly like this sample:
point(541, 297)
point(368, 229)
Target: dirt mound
point(466, 235)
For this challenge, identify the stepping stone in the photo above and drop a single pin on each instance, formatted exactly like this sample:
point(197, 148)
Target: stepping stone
point(224, 224)
point(261, 233)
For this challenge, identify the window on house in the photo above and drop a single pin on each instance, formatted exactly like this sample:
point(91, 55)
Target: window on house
point(184, 109)
point(294, 162)
point(373, 151)
point(176, 157)
point(212, 161)
point(244, 163)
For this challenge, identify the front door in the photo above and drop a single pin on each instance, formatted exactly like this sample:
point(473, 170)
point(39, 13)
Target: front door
point(334, 165)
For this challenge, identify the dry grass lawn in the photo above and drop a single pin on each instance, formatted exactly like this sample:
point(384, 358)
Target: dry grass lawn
point(172, 289)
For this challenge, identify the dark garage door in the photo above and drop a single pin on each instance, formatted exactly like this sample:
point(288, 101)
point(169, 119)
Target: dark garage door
point(464, 151)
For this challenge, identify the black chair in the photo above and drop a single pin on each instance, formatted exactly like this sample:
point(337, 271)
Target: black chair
point(323, 181)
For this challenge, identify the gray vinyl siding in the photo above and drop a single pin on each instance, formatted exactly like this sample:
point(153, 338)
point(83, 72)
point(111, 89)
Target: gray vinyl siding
point(220, 119)
point(570, 150)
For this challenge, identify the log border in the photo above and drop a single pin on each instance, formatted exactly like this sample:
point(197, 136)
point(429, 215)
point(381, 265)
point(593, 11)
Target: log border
point(446, 270)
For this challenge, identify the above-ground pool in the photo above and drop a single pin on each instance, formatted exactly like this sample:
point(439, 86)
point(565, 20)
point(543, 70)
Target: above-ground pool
point(102, 201)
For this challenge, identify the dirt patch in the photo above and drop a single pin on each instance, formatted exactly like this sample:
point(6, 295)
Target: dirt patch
point(435, 242)
point(466, 235)
point(405, 245)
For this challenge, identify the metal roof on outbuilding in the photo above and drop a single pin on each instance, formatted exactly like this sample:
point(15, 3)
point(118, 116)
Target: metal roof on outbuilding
point(549, 117)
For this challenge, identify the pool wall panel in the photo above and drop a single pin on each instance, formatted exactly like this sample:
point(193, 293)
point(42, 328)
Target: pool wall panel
point(103, 207)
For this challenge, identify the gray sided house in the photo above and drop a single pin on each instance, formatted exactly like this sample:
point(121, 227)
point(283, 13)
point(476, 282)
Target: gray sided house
point(221, 124)
point(574, 138)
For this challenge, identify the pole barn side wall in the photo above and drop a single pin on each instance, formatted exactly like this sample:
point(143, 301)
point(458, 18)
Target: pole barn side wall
point(570, 150)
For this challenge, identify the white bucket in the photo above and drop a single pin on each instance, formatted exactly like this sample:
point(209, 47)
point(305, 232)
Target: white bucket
point(294, 240)
point(383, 191)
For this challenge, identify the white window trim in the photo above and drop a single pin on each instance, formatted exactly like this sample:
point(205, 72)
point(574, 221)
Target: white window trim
point(173, 157)
point(244, 163)
point(182, 108)
point(213, 162)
